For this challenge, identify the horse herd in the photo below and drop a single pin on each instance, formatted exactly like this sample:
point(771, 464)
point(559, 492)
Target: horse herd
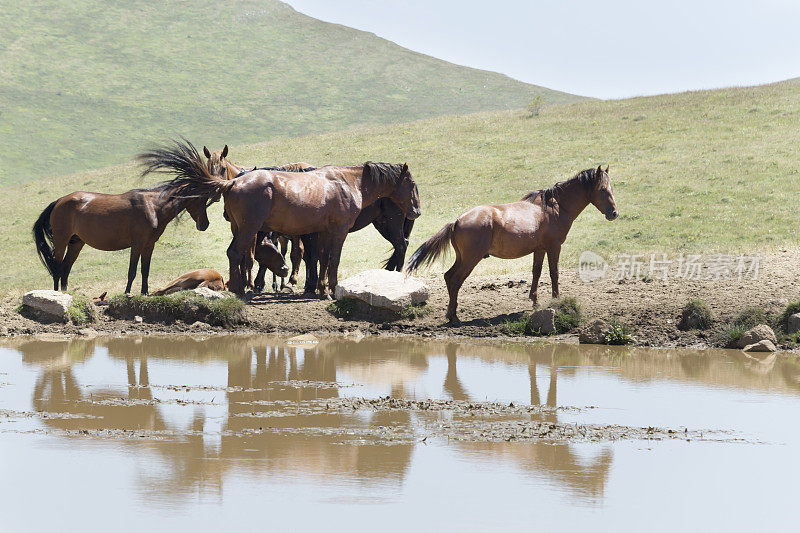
point(313, 209)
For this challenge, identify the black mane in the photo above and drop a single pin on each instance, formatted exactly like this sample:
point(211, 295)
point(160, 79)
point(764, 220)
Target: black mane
point(383, 173)
point(587, 178)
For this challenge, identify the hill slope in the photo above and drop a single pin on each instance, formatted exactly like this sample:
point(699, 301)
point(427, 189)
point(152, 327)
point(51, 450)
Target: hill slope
point(84, 85)
point(697, 172)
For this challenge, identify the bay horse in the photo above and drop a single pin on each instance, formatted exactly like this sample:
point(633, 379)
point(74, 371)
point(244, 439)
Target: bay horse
point(325, 201)
point(267, 242)
point(537, 224)
point(203, 277)
point(135, 219)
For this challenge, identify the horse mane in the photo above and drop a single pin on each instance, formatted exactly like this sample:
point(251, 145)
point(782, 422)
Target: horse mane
point(384, 173)
point(181, 158)
point(587, 178)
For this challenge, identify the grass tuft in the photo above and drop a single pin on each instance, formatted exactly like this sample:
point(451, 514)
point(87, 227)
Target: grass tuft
point(411, 312)
point(80, 311)
point(619, 334)
point(783, 319)
point(568, 314)
point(184, 305)
point(696, 315)
point(343, 308)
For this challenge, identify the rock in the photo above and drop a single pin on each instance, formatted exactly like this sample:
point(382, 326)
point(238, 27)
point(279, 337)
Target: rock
point(543, 321)
point(356, 335)
point(594, 333)
point(200, 325)
point(759, 333)
point(764, 345)
point(210, 294)
point(138, 319)
point(48, 302)
point(793, 324)
point(88, 332)
point(382, 288)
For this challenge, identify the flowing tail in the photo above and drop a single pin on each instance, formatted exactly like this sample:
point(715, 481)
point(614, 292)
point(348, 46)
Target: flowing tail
point(431, 249)
point(43, 237)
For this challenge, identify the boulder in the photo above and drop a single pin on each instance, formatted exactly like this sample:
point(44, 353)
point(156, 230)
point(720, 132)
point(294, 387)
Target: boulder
point(210, 294)
point(793, 324)
point(382, 288)
point(594, 333)
point(759, 333)
point(543, 321)
point(764, 345)
point(48, 302)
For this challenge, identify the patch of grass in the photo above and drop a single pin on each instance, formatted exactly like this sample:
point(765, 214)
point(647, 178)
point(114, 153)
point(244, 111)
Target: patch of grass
point(783, 318)
point(80, 310)
point(184, 305)
point(411, 312)
point(732, 334)
point(750, 318)
point(516, 327)
point(793, 339)
point(696, 314)
point(568, 314)
point(619, 333)
point(343, 308)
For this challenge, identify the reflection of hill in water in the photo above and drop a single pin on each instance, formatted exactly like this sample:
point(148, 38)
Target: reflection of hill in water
point(263, 370)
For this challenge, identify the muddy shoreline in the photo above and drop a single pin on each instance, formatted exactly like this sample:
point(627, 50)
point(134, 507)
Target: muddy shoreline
point(487, 304)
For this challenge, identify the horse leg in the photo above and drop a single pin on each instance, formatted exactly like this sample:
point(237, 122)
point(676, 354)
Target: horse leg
point(538, 261)
point(60, 244)
point(147, 254)
point(73, 249)
point(238, 247)
point(324, 247)
point(335, 253)
point(274, 282)
point(296, 256)
point(470, 248)
point(311, 257)
point(135, 252)
point(260, 281)
point(552, 263)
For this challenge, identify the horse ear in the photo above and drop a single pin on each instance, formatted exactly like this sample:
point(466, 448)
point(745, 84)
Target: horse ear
point(206, 152)
point(599, 170)
point(606, 169)
point(405, 170)
point(225, 151)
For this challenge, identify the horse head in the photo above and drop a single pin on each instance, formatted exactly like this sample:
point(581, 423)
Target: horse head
point(602, 194)
point(216, 163)
point(404, 191)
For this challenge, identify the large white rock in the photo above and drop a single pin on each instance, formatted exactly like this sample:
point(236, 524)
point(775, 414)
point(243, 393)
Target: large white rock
point(49, 302)
point(384, 288)
point(210, 294)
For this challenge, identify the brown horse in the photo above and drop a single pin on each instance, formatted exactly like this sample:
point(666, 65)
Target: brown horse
point(267, 242)
point(135, 219)
point(537, 224)
point(204, 277)
point(325, 201)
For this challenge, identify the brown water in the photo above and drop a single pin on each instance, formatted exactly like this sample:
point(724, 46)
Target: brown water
point(189, 434)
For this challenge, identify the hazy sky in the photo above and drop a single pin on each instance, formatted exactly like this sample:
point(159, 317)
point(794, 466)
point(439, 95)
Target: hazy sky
point(602, 48)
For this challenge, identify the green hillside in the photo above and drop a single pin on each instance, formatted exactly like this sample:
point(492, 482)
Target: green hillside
point(699, 172)
point(87, 84)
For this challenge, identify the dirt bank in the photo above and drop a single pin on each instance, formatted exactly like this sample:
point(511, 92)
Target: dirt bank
point(487, 303)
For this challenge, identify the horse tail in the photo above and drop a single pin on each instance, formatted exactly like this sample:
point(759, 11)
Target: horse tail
point(431, 249)
point(43, 237)
point(192, 178)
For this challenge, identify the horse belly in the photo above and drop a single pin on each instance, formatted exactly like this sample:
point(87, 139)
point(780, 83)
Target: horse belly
point(515, 239)
point(104, 227)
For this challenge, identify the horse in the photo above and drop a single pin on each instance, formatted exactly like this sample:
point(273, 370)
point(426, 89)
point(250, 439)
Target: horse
point(204, 277)
point(135, 219)
point(263, 255)
point(327, 200)
point(537, 224)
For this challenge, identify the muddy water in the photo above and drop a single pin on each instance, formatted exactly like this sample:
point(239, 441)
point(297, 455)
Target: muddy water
point(190, 434)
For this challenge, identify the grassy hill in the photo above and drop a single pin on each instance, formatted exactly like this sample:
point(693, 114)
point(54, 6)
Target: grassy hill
point(700, 172)
point(88, 84)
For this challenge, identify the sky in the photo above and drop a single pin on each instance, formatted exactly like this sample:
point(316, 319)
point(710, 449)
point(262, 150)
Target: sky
point(599, 48)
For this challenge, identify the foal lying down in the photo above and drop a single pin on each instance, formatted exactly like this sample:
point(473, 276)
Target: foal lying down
point(537, 224)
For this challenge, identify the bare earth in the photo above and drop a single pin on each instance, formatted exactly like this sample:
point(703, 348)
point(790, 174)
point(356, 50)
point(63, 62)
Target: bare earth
point(487, 302)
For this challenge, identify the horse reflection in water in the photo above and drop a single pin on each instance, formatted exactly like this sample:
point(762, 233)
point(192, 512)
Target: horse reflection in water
point(260, 418)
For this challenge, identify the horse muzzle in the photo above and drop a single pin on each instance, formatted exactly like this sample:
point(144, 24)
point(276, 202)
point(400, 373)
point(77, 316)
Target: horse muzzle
point(414, 213)
point(612, 214)
point(283, 272)
point(202, 225)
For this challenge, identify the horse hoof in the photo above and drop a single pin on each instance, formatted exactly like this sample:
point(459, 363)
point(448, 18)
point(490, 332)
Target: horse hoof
point(454, 322)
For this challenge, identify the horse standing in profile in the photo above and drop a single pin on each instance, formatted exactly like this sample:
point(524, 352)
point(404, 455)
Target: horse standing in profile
point(135, 219)
point(537, 224)
point(325, 201)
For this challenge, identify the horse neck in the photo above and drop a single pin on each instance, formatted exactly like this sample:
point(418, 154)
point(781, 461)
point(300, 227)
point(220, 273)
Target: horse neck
point(231, 170)
point(371, 192)
point(572, 198)
point(168, 208)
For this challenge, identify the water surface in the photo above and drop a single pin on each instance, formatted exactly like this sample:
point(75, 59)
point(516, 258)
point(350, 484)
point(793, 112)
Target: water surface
point(191, 434)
